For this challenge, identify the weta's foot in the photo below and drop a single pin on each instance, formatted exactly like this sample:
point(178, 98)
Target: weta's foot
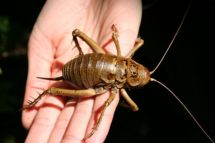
point(31, 103)
point(105, 105)
point(90, 134)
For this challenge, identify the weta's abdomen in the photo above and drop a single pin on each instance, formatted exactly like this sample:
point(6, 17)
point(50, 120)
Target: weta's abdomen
point(88, 70)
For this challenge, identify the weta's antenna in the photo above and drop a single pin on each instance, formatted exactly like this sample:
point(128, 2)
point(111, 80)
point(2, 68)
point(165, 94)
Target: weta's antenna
point(174, 95)
point(185, 107)
point(173, 39)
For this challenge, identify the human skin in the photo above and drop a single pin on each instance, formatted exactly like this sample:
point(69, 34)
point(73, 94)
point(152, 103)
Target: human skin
point(50, 46)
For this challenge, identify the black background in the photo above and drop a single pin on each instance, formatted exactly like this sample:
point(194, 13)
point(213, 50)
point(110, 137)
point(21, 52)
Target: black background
point(187, 70)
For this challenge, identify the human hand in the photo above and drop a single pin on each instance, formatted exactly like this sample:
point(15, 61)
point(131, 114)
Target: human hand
point(50, 47)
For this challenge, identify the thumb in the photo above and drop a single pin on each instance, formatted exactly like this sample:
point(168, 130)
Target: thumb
point(127, 24)
point(126, 15)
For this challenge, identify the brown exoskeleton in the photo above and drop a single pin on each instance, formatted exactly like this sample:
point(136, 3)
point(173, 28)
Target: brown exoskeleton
point(99, 72)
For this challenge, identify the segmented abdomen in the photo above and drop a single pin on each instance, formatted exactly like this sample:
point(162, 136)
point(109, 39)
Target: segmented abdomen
point(85, 71)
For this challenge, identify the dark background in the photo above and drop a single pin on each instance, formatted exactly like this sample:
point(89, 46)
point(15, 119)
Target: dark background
point(187, 70)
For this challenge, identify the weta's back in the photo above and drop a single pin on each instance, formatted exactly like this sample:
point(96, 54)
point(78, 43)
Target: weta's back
point(92, 70)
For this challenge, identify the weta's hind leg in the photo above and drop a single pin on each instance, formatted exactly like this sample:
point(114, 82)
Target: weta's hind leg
point(66, 92)
point(93, 45)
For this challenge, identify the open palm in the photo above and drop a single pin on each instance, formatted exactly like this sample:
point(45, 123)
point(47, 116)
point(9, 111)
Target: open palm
point(50, 46)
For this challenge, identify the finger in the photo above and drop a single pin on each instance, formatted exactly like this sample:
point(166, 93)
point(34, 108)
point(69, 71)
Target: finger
point(78, 123)
point(62, 122)
point(126, 15)
point(39, 65)
point(46, 117)
point(103, 128)
point(45, 120)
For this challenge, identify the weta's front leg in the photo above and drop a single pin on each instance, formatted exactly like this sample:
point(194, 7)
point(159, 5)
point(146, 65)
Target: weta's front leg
point(66, 92)
point(129, 101)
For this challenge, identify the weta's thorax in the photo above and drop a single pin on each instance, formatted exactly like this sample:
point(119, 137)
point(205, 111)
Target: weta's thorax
point(137, 74)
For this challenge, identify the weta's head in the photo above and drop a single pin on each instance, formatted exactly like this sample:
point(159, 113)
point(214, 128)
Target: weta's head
point(137, 74)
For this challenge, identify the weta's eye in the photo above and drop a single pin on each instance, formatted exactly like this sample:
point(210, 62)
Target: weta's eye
point(133, 70)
